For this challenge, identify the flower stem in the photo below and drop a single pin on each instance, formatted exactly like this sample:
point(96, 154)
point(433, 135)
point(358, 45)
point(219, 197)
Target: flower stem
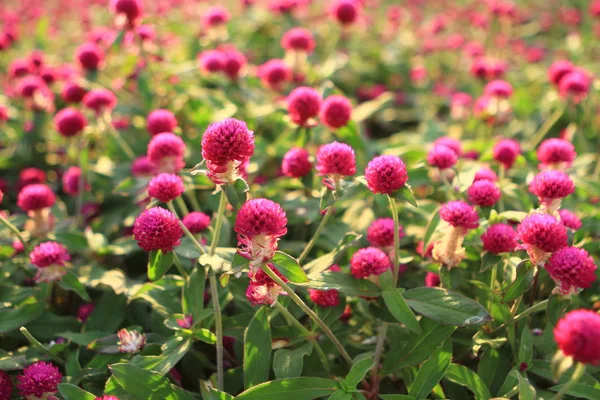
point(180, 268)
point(394, 209)
point(13, 228)
point(36, 343)
point(214, 294)
point(181, 205)
point(186, 231)
point(318, 232)
point(577, 374)
point(118, 138)
point(308, 311)
point(538, 307)
point(218, 223)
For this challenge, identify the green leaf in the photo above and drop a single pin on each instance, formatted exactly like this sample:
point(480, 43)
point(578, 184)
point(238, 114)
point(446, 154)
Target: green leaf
point(525, 273)
point(108, 313)
point(433, 223)
point(446, 307)
point(396, 397)
point(288, 363)
point(489, 260)
point(526, 346)
point(327, 199)
point(368, 108)
point(320, 264)
point(84, 338)
point(302, 388)
point(172, 351)
point(350, 134)
point(340, 395)
point(557, 305)
point(72, 392)
point(465, 377)
point(257, 349)
point(70, 282)
point(14, 318)
point(289, 267)
point(343, 282)
point(493, 368)
point(193, 293)
point(236, 193)
point(361, 366)
point(397, 305)
point(580, 390)
point(146, 384)
point(406, 194)
point(159, 264)
point(526, 389)
point(430, 373)
point(210, 393)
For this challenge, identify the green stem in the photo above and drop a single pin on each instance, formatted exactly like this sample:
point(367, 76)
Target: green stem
point(186, 231)
point(13, 228)
point(577, 374)
point(394, 209)
point(36, 343)
point(218, 223)
point(218, 328)
point(179, 266)
point(318, 232)
point(118, 138)
point(538, 307)
point(545, 128)
point(309, 312)
point(192, 198)
point(492, 283)
point(181, 205)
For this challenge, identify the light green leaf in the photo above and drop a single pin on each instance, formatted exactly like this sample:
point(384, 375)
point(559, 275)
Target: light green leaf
point(289, 267)
point(288, 363)
point(302, 388)
point(159, 263)
point(465, 377)
point(399, 308)
point(72, 392)
point(521, 284)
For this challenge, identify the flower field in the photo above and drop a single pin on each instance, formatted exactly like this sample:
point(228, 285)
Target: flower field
point(299, 199)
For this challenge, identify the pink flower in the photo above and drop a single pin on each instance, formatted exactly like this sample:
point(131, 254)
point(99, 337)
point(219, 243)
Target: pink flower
point(165, 187)
point(100, 100)
point(432, 279)
point(233, 62)
point(572, 269)
point(303, 103)
point(216, 16)
point(346, 12)
point(130, 341)
point(381, 233)
point(29, 85)
point(142, 166)
point(196, 222)
point(69, 122)
point(39, 380)
point(84, 311)
point(558, 70)
point(296, 163)
point(386, 174)
point(499, 238)
point(131, 10)
point(19, 68)
point(485, 173)
point(336, 160)
point(90, 56)
point(459, 214)
point(484, 193)
point(551, 185)
point(72, 182)
point(575, 85)
point(157, 229)
point(274, 73)
point(258, 294)
point(324, 298)
point(6, 386)
point(298, 39)
point(555, 151)
point(451, 143)
point(506, 152)
point(160, 121)
point(186, 323)
point(211, 61)
point(540, 235)
point(442, 157)
point(35, 197)
point(369, 261)
point(569, 219)
point(578, 335)
point(166, 151)
point(498, 88)
point(336, 111)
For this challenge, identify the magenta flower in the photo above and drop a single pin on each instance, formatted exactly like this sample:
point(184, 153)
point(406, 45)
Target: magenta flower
point(298, 39)
point(569, 219)
point(165, 187)
point(578, 335)
point(274, 73)
point(485, 173)
point(36, 197)
point(160, 121)
point(551, 187)
point(345, 12)
point(499, 238)
point(303, 104)
point(72, 182)
point(39, 381)
point(484, 193)
point(506, 152)
point(69, 122)
point(451, 143)
point(100, 100)
point(166, 150)
point(369, 261)
point(129, 10)
point(196, 222)
point(336, 111)
point(540, 235)
point(157, 229)
point(211, 61)
point(6, 386)
point(324, 298)
point(90, 56)
point(386, 174)
point(558, 70)
point(216, 16)
point(442, 157)
point(432, 279)
point(556, 153)
point(461, 217)
point(459, 214)
point(296, 163)
point(381, 233)
point(572, 269)
point(336, 160)
point(142, 166)
point(498, 88)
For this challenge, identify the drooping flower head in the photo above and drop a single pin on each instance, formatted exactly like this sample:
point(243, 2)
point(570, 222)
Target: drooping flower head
point(157, 229)
point(39, 381)
point(336, 111)
point(572, 269)
point(298, 39)
point(69, 121)
point(540, 235)
point(303, 104)
point(130, 341)
point(569, 219)
point(274, 74)
point(35, 197)
point(160, 121)
point(72, 181)
point(166, 187)
point(381, 233)
point(484, 193)
point(369, 261)
point(459, 214)
point(551, 185)
point(506, 152)
point(499, 238)
point(90, 56)
point(442, 157)
point(196, 222)
point(386, 174)
point(336, 160)
point(578, 335)
point(100, 100)
point(296, 163)
point(166, 150)
point(556, 153)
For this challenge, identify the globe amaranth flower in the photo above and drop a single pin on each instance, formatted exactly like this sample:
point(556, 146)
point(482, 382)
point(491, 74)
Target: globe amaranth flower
point(574, 86)
point(336, 111)
point(27, 86)
point(484, 193)
point(442, 157)
point(226, 146)
point(460, 105)
point(216, 16)
point(551, 187)
point(130, 341)
point(556, 154)
point(259, 225)
point(129, 12)
point(186, 322)
point(90, 56)
point(31, 175)
point(369, 261)
point(540, 235)
point(6, 386)
point(334, 161)
point(572, 269)
point(166, 150)
point(196, 222)
point(157, 229)
point(298, 39)
point(100, 100)
point(303, 104)
point(432, 279)
point(296, 163)
point(72, 92)
point(274, 74)
point(39, 381)
point(50, 258)
point(211, 61)
point(69, 122)
point(386, 174)
point(165, 187)
point(381, 233)
point(569, 219)
point(72, 181)
point(35, 197)
point(498, 88)
point(461, 217)
point(499, 238)
point(324, 298)
point(263, 294)
point(578, 335)
point(142, 166)
point(160, 121)
point(451, 143)
point(19, 68)
point(233, 62)
point(558, 70)
point(84, 311)
point(506, 152)
point(345, 12)
point(485, 173)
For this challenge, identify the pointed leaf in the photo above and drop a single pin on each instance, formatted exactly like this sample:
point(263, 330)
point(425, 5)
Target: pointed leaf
point(302, 388)
point(257, 349)
point(430, 373)
point(70, 282)
point(289, 267)
point(288, 363)
point(72, 392)
point(399, 308)
point(525, 273)
point(465, 377)
point(359, 369)
point(158, 264)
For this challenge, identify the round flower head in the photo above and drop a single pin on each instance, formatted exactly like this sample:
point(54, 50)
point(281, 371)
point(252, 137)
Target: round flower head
point(31, 175)
point(166, 151)
point(386, 174)
point(1, 195)
point(233, 62)
point(72, 182)
point(298, 39)
point(572, 269)
point(100, 100)
point(303, 103)
point(274, 73)
point(558, 70)
point(574, 85)
point(84, 311)
point(381, 233)
point(506, 152)
point(261, 217)
point(336, 159)
point(72, 92)
point(157, 229)
point(498, 88)
point(19, 68)
point(484, 193)
point(555, 152)
point(165, 187)
point(336, 111)
point(29, 85)
point(485, 173)
point(215, 16)
point(226, 141)
point(35, 197)
point(296, 163)
point(129, 10)
point(142, 166)
point(48, 254)
point(551, 185)
point(569, 219)
point(324, 298)
point(459, 214)
point(160, 121)
point(449, 142)
point(345, 12)
point(196, 222)
point(432, 279)
point(69, 122)
point(578, 335)
point(442, 157)
point(540, 235)
point(90, 56)
point(211, 61)
point(499, 238)
point(39, 381)
point(369, 261)
point(6, 386)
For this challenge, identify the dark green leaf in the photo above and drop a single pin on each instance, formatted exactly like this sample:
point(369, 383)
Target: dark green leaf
point(489, 260)
point(397, 305)
point(396, 397)
point(327, 199)
point(257, 349)
point(146, 384)
point(405, 194)
point(108, 313)
point(70, 282)
point(236, 193)
point(557, 305)
point(465, 377)
point(302, 388)
point(580, 390)
point(343, 282)
point(193, 293)
point(172, 352)
point(289, 267)
point(521, 284)
point(14, 318)
point(361, 366)
point(430, 373)
point(526, 389)
point(288, 363)
point(159, 264)
point(72, 392)
point(526, 346)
